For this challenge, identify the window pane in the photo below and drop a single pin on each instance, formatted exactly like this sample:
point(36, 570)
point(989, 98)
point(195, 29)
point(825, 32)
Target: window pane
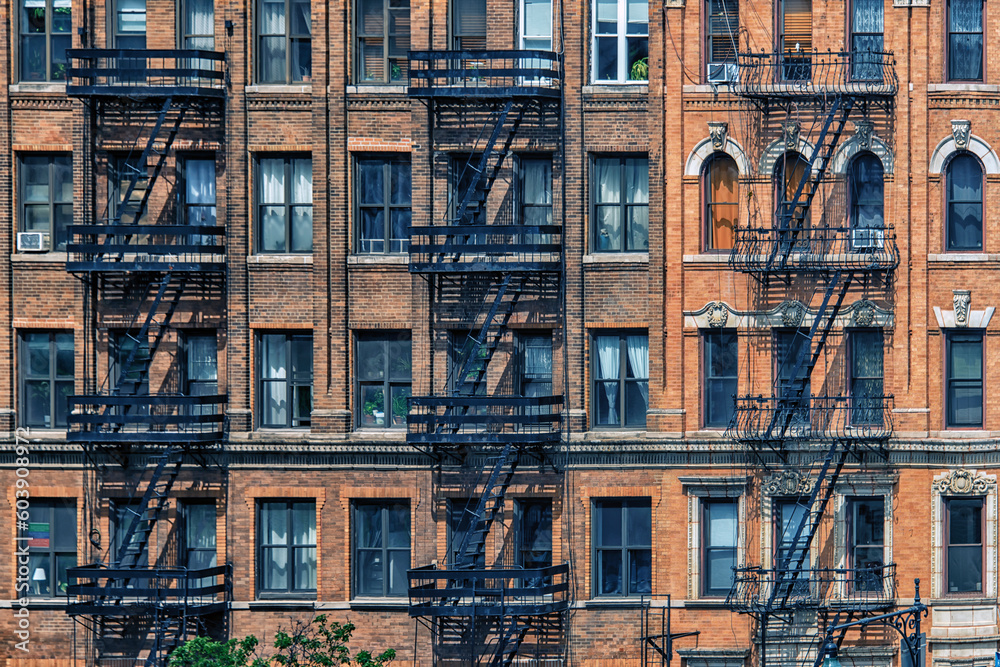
point(368, 526)
point(638, 524)
point(274, 523)
point(200, 527)
point(965, 521)
point(304, 523)
point(398, 526)
point(370, 573)
point(609, 521)
point(640, 571)
point(609, 567)
point(399, 563)
point(965, 569)
point(720, 565)
point(275, 568)
point(966, 358)
point(722, 524)
point(38, 354)
point(273, 361)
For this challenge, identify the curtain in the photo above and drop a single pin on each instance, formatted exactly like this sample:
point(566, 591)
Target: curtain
point(723, 201)
point(638, 359)
point(200, 181)
point(609, 360)
point(537, 182)
point(607, 176)
point(965, 27)
point(275, 394)
point(302, 214)
point(199, 20)
point(965, 203)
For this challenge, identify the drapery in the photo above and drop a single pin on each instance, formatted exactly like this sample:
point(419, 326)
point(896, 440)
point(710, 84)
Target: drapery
point(638, 358)
point(272, 41)
point(965, 40)
point(274, 365)
point(199, 25)
point(723, 201)
point(272, 196)
point(199, 196)
point(609, 359)
point(637, 192)
point(965, 203)
point(302, 212)
point(607, 176)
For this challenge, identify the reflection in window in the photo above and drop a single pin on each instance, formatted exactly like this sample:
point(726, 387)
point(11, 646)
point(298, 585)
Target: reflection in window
point(381, 549)
point(384, 376)
point(621, 205)
point(285, 43)
point(623, 554)
point(47, 372)
point(621, 40)
point(867, 204)
point(964, 183)
point(965, 40)
point(287, 548)
point(384, 187)
point(45, 37)
point(383, 40)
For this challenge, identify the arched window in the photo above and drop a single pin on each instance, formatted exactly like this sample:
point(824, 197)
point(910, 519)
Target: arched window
point(867, 202)
point(964, 190)
point(788, 172)
point(722, 201)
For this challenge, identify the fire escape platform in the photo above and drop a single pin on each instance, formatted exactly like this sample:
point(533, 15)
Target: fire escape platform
point(758, 591)
point(484, 420)
point(141, 74)
point(771, 75)
point(478, 75)
point(100, 591)
point(488, 592)
point(121, 248)
point(486, 249)
point(765, 251)
point(158, 419)
point(771, 419)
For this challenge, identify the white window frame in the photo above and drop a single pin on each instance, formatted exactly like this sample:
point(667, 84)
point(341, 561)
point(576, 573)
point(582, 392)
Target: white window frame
point(522, 29)
point(622, 37)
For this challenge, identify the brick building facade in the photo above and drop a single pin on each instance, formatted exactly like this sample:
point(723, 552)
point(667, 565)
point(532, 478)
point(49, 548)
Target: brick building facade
point(680, 220)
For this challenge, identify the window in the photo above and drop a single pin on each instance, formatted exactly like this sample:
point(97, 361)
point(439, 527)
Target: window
point(789, 171)
point(45, 37)
point(285, 46)
point(124, 514)
point(47, 196)
point(867, 203)
point(47, 371)
point(623, 552)
point(121, 170)
point(964, 184)
point(199, 546)
point(468, 25)
point(129, 361)
point(383, 40)
point(621, 380)
point(51, 539)
point(462, 345)
point(792, 516)
point(201, 365)
point(721, 38)
point(463, 170)
point(621, 214)
point(381, 549)
point(791, 348)
point(964, 527)
point(383, 198)
point(197, 196)
point(722, 201)
point(129, 24)
point(719, 524)
point(534, 534)
point(198, 26)
point(721, 376)
point(285, 204)
point(286, 362)
point(535, 200)
point(964, 379)
point(866, 376)
point(965, 40)
point(287, 548)
point(384, 375)
point(621, 40)
point(795, 39)
point(536, 25)
point(536, 364)
point(866, 537)
point(461, 512)
point(867, 24)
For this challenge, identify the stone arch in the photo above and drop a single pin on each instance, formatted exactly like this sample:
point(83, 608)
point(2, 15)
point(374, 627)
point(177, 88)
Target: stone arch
point(853, 146)
point(947, 147)
point(777, 148)
point(704, 149)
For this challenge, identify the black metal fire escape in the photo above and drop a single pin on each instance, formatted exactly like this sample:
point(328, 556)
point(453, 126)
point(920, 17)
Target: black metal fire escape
point(481, 613)
point(138, 606)
point(792, 599)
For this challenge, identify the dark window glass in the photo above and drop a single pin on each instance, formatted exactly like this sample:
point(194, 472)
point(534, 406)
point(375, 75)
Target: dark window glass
point(47, 196)
point(124, 514)
point(384, 375)
point(383, 40)
point(381, 549)
point(621, 379)
point(461, 178)
point(621, 40)
point(284, 217)
point(719, 544)
point(965, 380)
point(534, 538)
point(461, 514)
point(383, 198)
point(623, 553)
point(129, 361)
point(198, 26)
point(867, 543)
point(965, 545)
point(964, 178)
point(621, 205)
point(965, 40)
point(722, 201)
point(121, 171)
point(791, 349)
point(721, 376)
point(45, 36)
point(535, 195)
point(468, 25)
point(129, 24)
point(462, 346)
point(789, 171)
point(867, 25)
point(795, 39)
point(51, 533)
point(722, 37)
point(197, 193)
point(284, 30)
point(536, 366)
point(286, 548)
point(866, 376)
point(286, 362)
point(199, 540)
point(47, 373)
point(867, 203)
point(201, 365)
point(791, 517)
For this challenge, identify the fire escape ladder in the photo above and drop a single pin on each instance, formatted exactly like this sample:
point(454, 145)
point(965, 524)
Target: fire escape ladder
point(169, 632)
point(143, 517)
point(511, 637)
point(486, 170)
point(139, 372)
point(478, 521)
point(482, 343)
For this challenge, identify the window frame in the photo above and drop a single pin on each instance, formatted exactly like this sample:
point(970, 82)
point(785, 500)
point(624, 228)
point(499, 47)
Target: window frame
point(184, 34)
point(948, 202)
point(290, 382)
point(797, 67)
point(23, 36)
point(186, 549)
point(523, 38)
point(949, 58)
point(522, 206)
point(118, 165)
point(388, 62)
point(855, 577)
point(709, 243)
point(858, 412)
point(623, 380)
point(116, 36)
point(388, 160)
point(782, 339)
point(950, 337)
point(184, 207)
point(288, 206)
point(801, 585)
point(621, 36)
point(119, 509)
point(621, 204)
point(858, 72)
point(290, 591)
point(856, 203)
point(58, 237)
point(289, 38)
point(707, 336)
point(455, 39)
point(524, 340)
point(520, 506)
point(624, 548)
point(388, 383)
point(948, 500)
point(384, 505)
point(53, 379)
point(782, 188)
point(705, 589)
point(186, 338)
point(456, 516)
point(50, 553)
point(709, 37)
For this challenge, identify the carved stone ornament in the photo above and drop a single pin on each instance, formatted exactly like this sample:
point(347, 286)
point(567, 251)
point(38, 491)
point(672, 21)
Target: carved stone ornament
point(963, 303)
point(719, 132)
point(864, 313)
point(863, 131)
point(787, 483)
point(717, 315)
point(961, 130)
point(791, 135)
point(792, 313)
point(965, 482)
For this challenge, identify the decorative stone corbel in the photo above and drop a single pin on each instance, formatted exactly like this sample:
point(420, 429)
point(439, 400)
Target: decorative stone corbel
point(719, 132)
point(790, 132)
point(863, 131)
point(961, 130)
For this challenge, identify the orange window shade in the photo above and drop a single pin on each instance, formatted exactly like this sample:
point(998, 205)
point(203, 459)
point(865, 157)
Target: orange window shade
point(797, 25)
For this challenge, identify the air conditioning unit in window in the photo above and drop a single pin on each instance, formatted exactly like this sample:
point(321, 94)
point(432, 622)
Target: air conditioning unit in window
point(723, 73)
point(32, 242)
point(867, 238)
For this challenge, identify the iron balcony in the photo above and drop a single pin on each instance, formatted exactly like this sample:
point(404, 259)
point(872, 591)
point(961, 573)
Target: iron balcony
point(120, 248)
point(484, 420)
point(462, 75)
point(488, 592)
point(773, 420)
point(814, 250)
point(486, 248)
point(145, 73)
point(795, 74)
point(758, 591)
point(95, 590)
point(150, 419)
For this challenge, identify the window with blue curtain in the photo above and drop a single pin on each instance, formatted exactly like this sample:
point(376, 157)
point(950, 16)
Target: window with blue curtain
point(867, 26)
point(965, 40)
point(867, 202)
point(965, 203)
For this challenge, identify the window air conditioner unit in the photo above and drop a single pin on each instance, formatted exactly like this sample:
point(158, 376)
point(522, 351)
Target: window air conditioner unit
point(867, 238)
point(723, 73)
point(32, 242)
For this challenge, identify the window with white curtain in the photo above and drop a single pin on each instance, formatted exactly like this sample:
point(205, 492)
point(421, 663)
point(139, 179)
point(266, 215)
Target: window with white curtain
point(45, 35)
point(198, 25)
point(621, 41)
point(620, 217)
point(620, 379)
point(197, 194)
point(284, 212)
point(286, 549)
point(867, 25)
point(201, 368)
point(284, 30)
point(200, 540)
point(535, 195)
point(383, 188)
point(285, 372)
point(965, 40)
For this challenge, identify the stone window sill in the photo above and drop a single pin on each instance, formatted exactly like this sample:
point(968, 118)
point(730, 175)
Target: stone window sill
point(617, 258)
point(39, 257)
point(381, 259)
point(279, 89)
point(38, 87)
point(637, 88)
point(262, 258)
point(957, 87)
point(377, 89)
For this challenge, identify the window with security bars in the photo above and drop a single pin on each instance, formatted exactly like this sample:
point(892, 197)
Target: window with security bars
point(381, 548)
point(50, 534)
point(795, 39)
point(468, 25)
point(383, 39)
point(965, 40)
point(722, 30)
point(867, 42)
point(45, 27)
point(867, 383)
point(866, 548)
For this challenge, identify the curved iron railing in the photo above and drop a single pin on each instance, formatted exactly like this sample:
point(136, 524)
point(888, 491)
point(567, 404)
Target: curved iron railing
point(488, 592)
point(491, 73)
point(794, 74)
point(772, 419)
point(757, 590)
point(814, 249)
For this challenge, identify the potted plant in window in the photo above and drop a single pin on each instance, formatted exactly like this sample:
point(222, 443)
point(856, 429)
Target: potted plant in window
point(371, 414)
point(399, 409)
point(639, 71)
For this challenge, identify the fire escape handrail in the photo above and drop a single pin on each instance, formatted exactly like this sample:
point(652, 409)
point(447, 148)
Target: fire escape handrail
point(796, 74)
